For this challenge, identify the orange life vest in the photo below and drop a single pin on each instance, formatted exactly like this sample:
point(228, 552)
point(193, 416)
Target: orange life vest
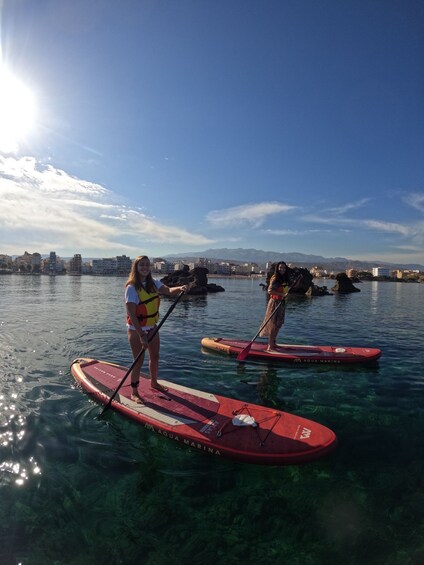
point(281, 288)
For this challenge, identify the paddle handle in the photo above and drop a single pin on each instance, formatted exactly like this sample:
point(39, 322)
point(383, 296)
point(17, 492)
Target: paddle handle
point(155, 331)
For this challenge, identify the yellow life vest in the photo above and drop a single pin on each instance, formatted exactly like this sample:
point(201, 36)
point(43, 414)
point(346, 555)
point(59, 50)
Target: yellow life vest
point(147, 311)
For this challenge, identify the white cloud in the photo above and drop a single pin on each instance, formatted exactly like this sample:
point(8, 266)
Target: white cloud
point(348, 207)
point(251, 214)
point(390, 227)
point(410, 232)
point(295, 232)
point(416, 200)
point(45, 207)
point(410, 248)
point(283, 232)
point(377, 225)
point(155, 232)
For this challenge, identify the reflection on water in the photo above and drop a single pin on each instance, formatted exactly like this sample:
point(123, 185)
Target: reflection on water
point(132, 497)
point(14, 465)
point(374, 295)
point(268, 386)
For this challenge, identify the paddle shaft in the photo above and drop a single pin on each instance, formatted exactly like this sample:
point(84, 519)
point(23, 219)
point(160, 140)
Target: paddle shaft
point(243, 354)
point(155, 331)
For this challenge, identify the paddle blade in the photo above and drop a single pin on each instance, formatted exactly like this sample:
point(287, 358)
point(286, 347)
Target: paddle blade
point(243, 354)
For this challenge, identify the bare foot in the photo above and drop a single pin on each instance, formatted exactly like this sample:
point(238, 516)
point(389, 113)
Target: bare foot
point(159, 387)
point(135, 397)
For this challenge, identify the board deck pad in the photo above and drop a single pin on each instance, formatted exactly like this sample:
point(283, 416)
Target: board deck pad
point(205, 421)
point(294, 353)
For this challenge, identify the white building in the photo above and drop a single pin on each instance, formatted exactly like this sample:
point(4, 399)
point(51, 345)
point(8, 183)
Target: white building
point(246, 269)
point(380, 272)
point(120, 265)
point(223, 268)
point(162, 267)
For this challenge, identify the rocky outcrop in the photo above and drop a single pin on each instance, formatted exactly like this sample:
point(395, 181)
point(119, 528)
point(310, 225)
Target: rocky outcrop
point(315, 290)
point(344, 284)
point(197, 277)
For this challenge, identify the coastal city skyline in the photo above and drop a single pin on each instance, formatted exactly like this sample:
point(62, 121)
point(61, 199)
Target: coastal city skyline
point(290, 127)
point(53, 263)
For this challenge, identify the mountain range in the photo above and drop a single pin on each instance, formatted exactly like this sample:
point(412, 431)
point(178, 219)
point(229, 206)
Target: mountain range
point(261, 257)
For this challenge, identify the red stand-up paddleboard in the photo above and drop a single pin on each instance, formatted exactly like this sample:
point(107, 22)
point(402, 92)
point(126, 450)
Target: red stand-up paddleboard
point(209, 422)
point(294, 353)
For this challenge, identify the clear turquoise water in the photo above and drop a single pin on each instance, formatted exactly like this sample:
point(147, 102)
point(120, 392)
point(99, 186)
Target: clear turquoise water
point(75, 489)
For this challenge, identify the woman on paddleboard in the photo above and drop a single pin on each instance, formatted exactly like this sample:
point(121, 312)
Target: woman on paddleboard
point(277, 290)
point(142, 304)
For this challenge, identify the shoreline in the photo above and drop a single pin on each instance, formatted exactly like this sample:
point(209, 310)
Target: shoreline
point(210, 276)
point(215, 276)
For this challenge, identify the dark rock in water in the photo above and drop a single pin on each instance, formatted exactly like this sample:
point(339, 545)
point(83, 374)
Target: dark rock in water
point(200, 275)
point(197, 277)
point(212, 287)
point(315, 290)
point(344, 284)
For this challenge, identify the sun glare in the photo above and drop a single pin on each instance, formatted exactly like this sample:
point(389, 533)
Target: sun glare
point(17, 112)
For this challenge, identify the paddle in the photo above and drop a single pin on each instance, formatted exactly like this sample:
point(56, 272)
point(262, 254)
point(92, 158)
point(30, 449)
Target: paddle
point(141, 353)
point(243, 354)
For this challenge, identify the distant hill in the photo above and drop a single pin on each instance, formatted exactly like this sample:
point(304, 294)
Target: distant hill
point(260, 257)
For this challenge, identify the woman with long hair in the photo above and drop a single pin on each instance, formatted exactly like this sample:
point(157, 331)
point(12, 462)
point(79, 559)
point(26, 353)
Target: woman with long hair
point(277, 290)
point(142, 304)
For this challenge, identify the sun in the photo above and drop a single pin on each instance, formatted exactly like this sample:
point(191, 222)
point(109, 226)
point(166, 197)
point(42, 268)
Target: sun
point(17, 111)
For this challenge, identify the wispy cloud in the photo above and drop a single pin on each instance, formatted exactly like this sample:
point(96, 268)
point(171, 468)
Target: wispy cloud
point(250, 214)
point(416, 200)
point(283, 232)
point(46, 208)
point(153, 231)
point(377, 225)
point(411, 232)
point(410, 248)
point(295, 232)
point(348, 207)
point(389, 227)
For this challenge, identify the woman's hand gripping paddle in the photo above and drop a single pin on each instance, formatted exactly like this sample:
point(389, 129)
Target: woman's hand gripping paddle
point(141, 353)
point(243, 354)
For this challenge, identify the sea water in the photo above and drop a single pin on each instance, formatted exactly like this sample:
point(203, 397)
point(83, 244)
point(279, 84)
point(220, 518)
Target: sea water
point(76, 489)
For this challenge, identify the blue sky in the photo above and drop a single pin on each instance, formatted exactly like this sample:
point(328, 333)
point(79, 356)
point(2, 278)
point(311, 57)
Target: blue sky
point(167, 126)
